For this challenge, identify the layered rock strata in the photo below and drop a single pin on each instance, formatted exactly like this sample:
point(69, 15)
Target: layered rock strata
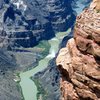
point(79, 61)
point(28, 22)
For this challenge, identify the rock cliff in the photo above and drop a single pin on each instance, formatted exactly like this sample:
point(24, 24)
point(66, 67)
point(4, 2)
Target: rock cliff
point(25, 23)
point(8, 88)
point(79, 61)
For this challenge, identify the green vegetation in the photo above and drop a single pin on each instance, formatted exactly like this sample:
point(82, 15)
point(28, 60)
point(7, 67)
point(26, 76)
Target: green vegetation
point(18, 74)
point(19, 89)
point(42, 49)
point(45, 46)
point(40, 89)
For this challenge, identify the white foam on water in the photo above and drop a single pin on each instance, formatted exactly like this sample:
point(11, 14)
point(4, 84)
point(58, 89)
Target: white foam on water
point(54, 39)
point(51, 54)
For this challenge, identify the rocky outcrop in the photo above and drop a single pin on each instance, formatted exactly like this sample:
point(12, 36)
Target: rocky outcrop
point(48, 81)
point(96, 4)
point(79, 5)
point(9, 89)
point(79, 61)
point(28, 22)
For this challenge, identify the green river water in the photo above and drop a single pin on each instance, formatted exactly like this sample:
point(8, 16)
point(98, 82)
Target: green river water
point(28, 86)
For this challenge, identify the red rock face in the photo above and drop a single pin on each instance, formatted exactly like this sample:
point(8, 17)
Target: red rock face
point(87, 32)
point(79, 61)
point(95, 4)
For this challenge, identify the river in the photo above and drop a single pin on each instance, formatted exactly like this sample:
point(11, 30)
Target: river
point(28, 86)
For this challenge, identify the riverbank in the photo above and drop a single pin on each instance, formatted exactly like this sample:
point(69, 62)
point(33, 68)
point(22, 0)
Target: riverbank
point(29, 88)
point(47, 80)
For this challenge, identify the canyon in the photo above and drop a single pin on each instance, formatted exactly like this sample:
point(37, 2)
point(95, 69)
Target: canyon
point(26, 27)
point(23, 24)
point(79, 61)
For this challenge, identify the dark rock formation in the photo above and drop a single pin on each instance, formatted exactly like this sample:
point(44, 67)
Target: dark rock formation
point(39, 19)
point(79, 5)
point(48, 79)
point(79, 61)
point(50, 88)
point(8, 88)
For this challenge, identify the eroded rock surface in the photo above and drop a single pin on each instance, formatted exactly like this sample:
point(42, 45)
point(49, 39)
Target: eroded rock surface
point(79, 61)
point(27, 22)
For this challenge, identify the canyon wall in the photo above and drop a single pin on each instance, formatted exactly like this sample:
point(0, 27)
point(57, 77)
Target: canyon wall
point(25, 23)
point(79, 61)
point(49, 78)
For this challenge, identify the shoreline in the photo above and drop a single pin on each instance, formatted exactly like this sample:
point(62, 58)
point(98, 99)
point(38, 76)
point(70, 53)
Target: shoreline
point(41, 65)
